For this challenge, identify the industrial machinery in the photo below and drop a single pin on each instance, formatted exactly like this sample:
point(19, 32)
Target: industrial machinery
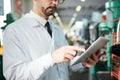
point(115, 50)
point(108, 28)
point(114, 7)
point(101, 71)
point(9, 19)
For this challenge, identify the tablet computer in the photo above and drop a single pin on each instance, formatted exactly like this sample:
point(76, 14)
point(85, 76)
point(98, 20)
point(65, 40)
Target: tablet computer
point(94, 47)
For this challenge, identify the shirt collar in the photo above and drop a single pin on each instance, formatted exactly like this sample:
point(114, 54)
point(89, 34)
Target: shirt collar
point(40, 20)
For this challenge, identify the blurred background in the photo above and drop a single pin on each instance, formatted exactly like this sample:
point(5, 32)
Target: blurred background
point(82, 21)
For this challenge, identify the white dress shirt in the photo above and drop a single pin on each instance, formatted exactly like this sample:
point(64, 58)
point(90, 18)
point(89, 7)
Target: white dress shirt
point(27, 48)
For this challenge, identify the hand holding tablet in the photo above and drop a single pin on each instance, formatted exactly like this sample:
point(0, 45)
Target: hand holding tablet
point(95, 46)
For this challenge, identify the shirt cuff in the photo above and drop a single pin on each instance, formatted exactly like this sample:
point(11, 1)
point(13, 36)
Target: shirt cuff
point(39, 66)
point(48, 61)
point(77, 67)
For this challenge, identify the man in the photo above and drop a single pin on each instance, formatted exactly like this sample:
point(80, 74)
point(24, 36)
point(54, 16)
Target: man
point(30, 53)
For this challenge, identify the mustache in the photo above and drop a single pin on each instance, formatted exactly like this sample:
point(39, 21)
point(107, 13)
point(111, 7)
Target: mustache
point(52, 7)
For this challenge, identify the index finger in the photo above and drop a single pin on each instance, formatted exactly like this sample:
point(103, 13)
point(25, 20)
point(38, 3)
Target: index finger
point(76, 48)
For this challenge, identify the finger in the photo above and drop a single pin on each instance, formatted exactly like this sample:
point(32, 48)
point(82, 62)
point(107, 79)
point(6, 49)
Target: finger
point(66, 59)
point(69, 56)
point(94, 57)
point(75, 48)
point(100, 55)
point(97, 52)
point(90, 61)
point(87, 64)
point(71, 52)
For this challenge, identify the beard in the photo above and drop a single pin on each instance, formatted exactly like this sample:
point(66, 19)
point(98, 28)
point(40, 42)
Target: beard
point(49, 11)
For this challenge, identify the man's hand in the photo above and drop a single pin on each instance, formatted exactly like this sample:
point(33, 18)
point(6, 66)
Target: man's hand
point(65, 54)
point(91, 61)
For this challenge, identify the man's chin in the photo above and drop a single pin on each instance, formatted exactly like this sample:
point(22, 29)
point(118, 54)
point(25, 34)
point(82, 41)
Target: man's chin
point(49, 14)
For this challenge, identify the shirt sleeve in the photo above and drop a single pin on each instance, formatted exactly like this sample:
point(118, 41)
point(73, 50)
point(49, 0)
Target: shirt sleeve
point(77, 67)
point(16, 66)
